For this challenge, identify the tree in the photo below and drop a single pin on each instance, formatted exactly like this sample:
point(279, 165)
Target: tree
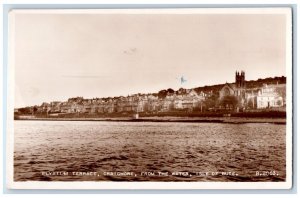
point(35, 109)
point(170, 91)
point(229, 101)
point(211, 101)
point(281, 92)
point(250, 103)
point(162, 94)
point(25, 110)
point(279, 103)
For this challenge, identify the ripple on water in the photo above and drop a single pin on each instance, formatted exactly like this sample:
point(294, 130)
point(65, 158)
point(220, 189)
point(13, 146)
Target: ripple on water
point(169, 147)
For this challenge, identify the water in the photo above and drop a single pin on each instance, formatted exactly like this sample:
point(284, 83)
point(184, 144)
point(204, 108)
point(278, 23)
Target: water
point(137, 151)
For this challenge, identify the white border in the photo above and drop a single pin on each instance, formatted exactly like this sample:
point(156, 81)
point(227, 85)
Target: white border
point(150, 185)
point(10, 99)
point(275, 10)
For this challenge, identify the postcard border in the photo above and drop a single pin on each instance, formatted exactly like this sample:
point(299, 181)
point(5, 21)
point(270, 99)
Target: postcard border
point(290, 147)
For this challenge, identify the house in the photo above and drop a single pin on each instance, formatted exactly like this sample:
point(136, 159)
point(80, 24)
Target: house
point(268, 97)
point(55, 106)
point(188, 99)
point(65, 107)
point(167, 105)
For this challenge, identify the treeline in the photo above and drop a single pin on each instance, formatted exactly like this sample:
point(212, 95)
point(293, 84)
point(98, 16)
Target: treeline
point(259, 82)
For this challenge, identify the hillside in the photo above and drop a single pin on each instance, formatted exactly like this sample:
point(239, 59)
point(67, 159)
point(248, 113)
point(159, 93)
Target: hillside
point(249, 84)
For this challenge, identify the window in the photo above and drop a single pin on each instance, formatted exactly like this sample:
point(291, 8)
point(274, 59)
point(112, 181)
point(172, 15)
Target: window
point(226, 91)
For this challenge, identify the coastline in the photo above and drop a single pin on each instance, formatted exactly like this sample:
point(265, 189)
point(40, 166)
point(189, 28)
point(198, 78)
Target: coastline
point(230, 120)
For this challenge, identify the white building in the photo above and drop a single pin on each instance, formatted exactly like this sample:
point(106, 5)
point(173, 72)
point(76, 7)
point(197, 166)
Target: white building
point(268, 97)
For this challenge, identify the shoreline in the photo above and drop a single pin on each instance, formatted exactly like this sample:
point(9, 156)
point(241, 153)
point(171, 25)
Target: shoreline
point(230, 120)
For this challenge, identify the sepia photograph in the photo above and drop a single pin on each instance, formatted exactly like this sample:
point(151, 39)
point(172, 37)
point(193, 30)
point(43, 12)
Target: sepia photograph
point(150, 98)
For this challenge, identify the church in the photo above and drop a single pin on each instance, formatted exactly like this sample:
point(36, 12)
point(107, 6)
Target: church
point(235, 90)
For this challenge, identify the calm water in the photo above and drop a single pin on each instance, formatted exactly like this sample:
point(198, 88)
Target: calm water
point(137, 151)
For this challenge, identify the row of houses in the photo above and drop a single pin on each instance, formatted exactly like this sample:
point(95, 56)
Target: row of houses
point(267, 96)
point(134, 103)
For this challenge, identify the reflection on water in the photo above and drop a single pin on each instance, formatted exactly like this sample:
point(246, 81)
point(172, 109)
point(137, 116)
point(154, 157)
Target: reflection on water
point(84, 146)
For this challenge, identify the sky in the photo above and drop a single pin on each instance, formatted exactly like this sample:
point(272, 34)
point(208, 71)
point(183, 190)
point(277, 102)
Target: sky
point(58, 56)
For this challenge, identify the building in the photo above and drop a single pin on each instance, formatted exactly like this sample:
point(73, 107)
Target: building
point(239, 95)
point(235, 91)
point(268, 97)
point(188, 100)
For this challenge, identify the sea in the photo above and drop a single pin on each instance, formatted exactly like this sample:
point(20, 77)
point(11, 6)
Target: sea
point(148, 151)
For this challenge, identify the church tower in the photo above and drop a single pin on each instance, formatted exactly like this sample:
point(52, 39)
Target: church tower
point(240, 79)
